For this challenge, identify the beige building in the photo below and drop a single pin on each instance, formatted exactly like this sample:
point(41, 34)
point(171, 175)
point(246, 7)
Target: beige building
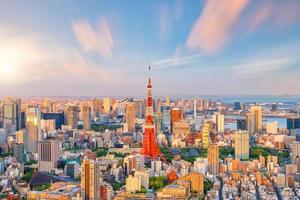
point(33, 129)
point(90, 179)
point(213, 159)
point(47, 125)
point(106, 105)
point(86, 117)
point(176, 192)
point(130, 116)
point(254, 120)
point(71, 116)
point(48, 152)
point(196, 180)
point(241, 145)
point(133, 184)
point(57, 191)
point(206, 134)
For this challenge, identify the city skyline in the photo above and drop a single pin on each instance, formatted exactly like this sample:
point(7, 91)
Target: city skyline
point(104, 48)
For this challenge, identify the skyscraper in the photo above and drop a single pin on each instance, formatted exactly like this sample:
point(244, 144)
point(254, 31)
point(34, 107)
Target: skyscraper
point(71, 116)
point(175, 116)
point(150, 147)
point(130, 116)
point(213, 159)
point(97, 107)
point(205, 134)
point(106, 105)
point(293, 123)
point(86, 117)
point(241, 145)
point(90, 179)
point(254, 120)
point(11, 117)
point(20, 137)
point(219, 122)
point(33, 129)
point(48, 155)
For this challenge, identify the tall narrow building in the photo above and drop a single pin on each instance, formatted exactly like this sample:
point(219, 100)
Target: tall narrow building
point(254, 120)
point(106, 104)
point(205, 134)
point(241, 145)
point(213, 159)
point(11, 114)
point(48, 155)
point(86, 117)
point(71, 116)
point(219, 122)
point(33, 129)
point(175, 116)
point(130, 116)
point(150, 147)
point(90, 180)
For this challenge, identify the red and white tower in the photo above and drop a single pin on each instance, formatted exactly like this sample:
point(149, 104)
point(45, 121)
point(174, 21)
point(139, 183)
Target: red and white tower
point(150, 148)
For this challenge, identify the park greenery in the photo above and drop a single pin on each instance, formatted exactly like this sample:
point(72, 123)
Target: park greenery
point(42, 187)
point(157, 182)
point(256, 151)
point(117, 185)
point(207, 185)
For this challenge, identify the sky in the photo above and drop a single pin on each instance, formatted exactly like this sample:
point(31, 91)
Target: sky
point(103, 48)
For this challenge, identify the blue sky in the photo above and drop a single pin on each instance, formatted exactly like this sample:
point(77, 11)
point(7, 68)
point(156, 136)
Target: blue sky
point(228, 47)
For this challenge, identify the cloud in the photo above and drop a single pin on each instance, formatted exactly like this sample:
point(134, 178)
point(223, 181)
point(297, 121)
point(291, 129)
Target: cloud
point(267, 62)
point(212, 29)
point(280, 14)
point(219, 21)
point(175, 61)
point(165, 20)
point(94, 38)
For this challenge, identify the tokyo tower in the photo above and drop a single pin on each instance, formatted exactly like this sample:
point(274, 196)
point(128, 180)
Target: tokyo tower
point(150, 148)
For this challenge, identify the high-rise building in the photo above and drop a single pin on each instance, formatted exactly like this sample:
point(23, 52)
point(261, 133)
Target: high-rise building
point(150, 147)
point(19, 152)
point(181, 129)
point(272, 127)
point(33, 129)
point(46, 105)
point(213, 159)
point(219, 122)
point(254, 120)
point(130, 116)
point(86, 117)
point(48, 125)
point(97, 105)
point(20, 137)
point(3, 136)
point(90, 179)
point(206, 134)
point(11, 116)
point(293, 123)
point(241, 145)
point(58, 117)
point(175, 116)
point(133, 184)
point(241, 124)
point(295, 154)
point(71, 116)
point(237, 106)
point(106, 104)
point(168, 102)
point(48, 155)
point(139, 109)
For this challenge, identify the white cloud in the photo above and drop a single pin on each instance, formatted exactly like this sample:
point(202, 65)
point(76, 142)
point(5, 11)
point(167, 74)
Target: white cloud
point(94, 38)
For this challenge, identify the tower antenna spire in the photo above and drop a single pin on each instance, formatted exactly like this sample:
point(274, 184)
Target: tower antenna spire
point(149, 74)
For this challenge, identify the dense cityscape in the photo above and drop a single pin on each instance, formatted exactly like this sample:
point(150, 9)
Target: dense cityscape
point(150, 100)
point(128, 148)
